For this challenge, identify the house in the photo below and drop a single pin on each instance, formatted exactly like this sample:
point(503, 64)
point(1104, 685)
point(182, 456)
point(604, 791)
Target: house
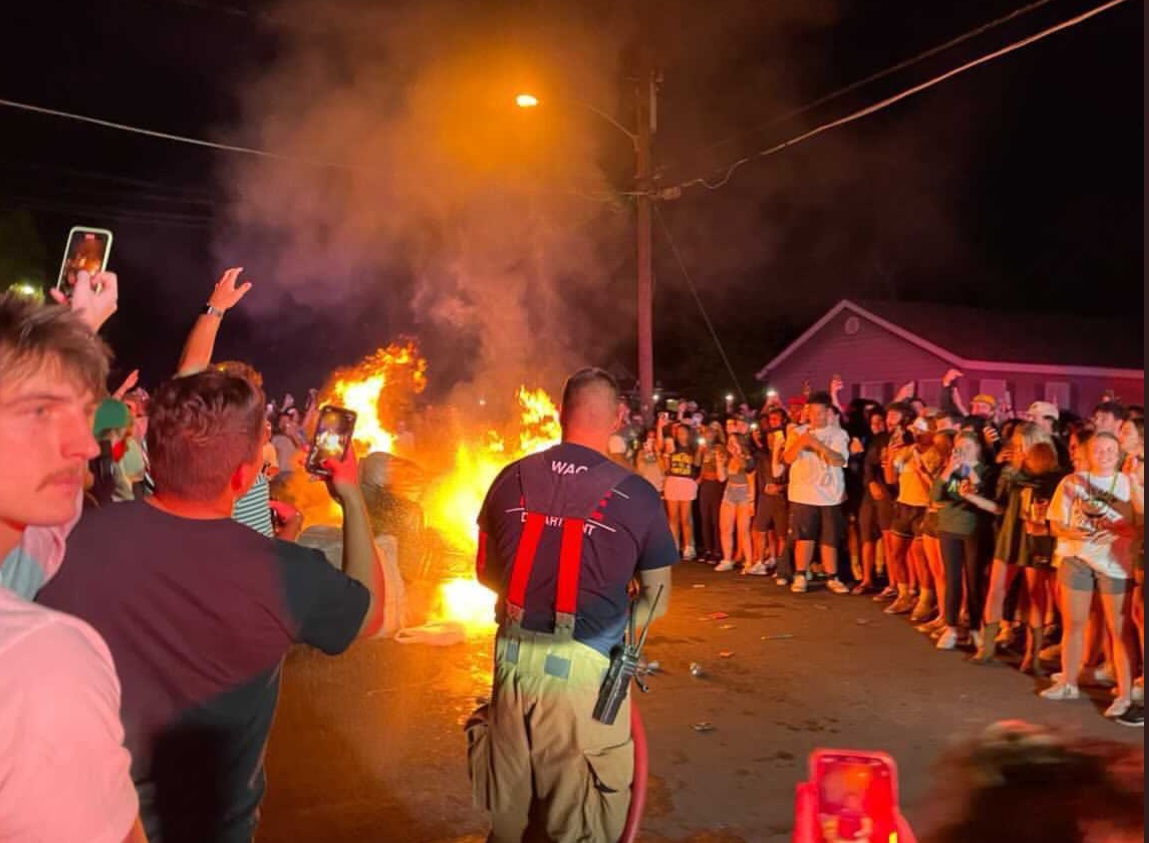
point(876, 347)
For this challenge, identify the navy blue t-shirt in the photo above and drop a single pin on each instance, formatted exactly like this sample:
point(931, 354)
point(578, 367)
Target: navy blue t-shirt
point(632, 535)
point(198, 616)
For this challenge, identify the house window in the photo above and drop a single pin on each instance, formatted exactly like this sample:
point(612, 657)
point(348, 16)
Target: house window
point(875, 391)
point(930, 392)
point(1057, 394)
point(989, 386)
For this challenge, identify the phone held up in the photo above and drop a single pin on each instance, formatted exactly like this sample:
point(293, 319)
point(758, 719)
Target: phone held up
point(332, 439)
point(850, 795)
point(87, 250)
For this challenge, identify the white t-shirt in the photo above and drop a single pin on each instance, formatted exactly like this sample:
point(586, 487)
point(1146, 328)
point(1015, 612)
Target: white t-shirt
point(64, 772)
point(1085, 501)
point(813, 481)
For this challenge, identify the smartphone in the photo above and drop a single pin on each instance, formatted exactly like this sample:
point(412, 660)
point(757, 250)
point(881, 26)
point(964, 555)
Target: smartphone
point(672, 405)
point(856, 795)
point(333, 434)
point(87, 249)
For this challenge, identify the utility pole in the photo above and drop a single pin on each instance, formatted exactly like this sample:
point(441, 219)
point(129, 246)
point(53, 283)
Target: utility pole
point(645, 103)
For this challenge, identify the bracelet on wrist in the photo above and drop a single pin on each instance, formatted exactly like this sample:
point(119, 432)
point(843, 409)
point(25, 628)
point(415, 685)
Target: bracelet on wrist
point(210, 309)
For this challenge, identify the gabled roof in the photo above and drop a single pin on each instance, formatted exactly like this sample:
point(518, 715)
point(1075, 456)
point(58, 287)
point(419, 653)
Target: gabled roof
point(970, 338)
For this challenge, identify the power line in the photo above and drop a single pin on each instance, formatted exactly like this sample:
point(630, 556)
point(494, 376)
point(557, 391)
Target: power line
point(698, 299)
point(123, 127)
point(881, 74)
point(89, 174)
point(857, 115)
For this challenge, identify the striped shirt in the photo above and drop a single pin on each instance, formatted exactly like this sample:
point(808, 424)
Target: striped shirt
point(254, 509)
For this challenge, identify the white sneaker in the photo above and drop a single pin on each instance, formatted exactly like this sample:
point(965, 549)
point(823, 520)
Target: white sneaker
point(1059, 691)
point(758, 569)
point(949, 639)
point(725, 565)
point(837, 586)
point(799, 585)
point(689, 555)
point(781, 582)
point(1139, 693)
point(1118, 708)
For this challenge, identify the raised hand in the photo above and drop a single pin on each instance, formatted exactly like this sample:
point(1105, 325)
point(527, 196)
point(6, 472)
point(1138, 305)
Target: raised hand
point(226, 294)
point(94, 298)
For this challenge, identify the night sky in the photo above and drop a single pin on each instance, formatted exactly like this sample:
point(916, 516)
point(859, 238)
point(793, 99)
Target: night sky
point(1018, 185)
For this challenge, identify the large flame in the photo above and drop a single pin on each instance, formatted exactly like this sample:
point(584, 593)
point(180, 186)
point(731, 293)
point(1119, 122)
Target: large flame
point(381, 390)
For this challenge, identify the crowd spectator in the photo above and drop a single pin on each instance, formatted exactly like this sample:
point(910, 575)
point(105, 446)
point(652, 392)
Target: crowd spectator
point(63, 764)
point(199, 611)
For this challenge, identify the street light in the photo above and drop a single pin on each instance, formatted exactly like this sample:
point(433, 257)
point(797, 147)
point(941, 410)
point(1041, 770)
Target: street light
point(645, 110)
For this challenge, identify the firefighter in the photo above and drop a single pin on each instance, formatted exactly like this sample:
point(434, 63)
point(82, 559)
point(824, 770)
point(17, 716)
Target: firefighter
point(561, 536)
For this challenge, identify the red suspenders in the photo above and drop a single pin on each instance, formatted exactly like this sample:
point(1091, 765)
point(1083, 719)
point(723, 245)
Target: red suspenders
point(570, 555)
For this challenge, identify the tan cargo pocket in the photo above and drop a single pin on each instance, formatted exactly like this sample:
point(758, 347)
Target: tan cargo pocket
point(611, 772)
point(478, 732)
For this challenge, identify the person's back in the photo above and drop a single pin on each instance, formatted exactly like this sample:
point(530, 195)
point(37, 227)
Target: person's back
point(199, 611)
point(561, 535)
point(199, 615)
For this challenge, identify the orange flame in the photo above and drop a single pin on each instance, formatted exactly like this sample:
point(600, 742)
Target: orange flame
point(381, 390)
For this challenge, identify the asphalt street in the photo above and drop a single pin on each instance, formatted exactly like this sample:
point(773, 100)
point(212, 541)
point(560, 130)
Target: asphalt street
point(369, 746)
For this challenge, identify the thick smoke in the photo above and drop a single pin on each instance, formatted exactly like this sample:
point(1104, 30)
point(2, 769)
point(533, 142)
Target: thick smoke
point(482, 227)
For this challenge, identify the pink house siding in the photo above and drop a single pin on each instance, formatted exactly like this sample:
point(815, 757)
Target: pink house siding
point(875, 359)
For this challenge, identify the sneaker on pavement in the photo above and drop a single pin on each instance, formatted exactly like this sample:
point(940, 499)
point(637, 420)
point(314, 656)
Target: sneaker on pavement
point(1139, 693)
point(781, 582)
point(837, 586)
point(1059, 691)
point(1134, 717)
point(1117, 709)
point(758, 569)
point(949, 639)
point(725, 565)
point(799, 585)
point(1104, 676)
point(689, 555)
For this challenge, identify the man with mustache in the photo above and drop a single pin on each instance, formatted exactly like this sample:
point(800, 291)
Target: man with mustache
point(63, 766)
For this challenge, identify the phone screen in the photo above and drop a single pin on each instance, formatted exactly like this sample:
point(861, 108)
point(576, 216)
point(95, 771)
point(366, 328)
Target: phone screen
point(87, 249)
point(332, 438)
point(857, 797)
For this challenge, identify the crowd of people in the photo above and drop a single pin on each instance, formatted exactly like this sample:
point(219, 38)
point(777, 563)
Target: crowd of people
point(146, 607)
point(984, 527)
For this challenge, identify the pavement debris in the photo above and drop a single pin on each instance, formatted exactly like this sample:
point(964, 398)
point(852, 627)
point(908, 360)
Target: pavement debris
point(703, 726)
point(699, 585)
point(781, 636)
point(716, 616)
point(727, 626)
point(696, 669)
point(725, 654)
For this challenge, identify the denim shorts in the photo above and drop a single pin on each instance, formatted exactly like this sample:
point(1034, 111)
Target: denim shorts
point(1077, 575)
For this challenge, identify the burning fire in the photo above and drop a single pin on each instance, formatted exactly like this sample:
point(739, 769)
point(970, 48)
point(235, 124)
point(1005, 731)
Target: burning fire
point(465, 601)
point(381, 390)
point(378, 389)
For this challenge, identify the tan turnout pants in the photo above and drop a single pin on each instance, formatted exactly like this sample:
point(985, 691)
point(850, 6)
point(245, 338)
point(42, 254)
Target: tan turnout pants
point(540, 764)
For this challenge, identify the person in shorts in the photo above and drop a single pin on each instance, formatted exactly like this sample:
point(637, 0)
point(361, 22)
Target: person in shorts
point(817, 453)
point(1092, 516)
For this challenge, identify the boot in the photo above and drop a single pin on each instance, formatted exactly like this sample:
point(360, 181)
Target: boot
point(988, 649)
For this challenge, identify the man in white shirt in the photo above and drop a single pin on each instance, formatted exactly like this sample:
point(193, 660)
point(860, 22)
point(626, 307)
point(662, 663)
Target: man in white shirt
point(63, 767)
point(817, 453)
